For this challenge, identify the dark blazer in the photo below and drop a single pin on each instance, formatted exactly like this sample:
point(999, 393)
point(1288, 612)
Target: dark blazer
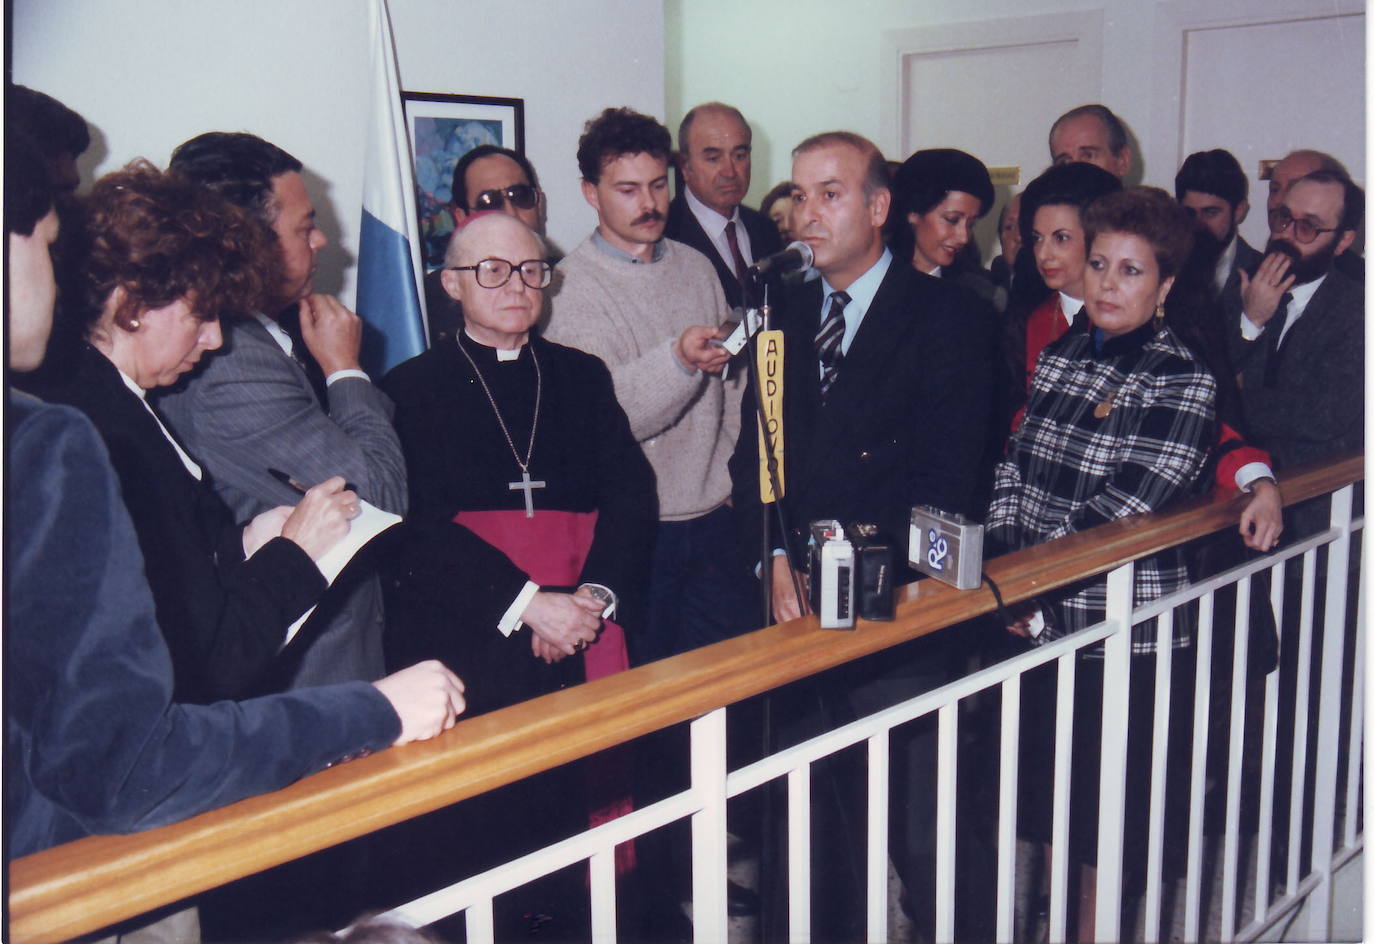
point(1247, 259)
point(93, 740)
point(763, 241)
point(1313, 406)
point(224, 617)
point(905, 422)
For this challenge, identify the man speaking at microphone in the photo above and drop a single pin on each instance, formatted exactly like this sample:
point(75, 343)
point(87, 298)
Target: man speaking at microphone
point(886, 403)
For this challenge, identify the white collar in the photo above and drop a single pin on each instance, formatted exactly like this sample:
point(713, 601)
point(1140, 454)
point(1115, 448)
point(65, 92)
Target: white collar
point(277, 333)
point(1226, 260)
point(501, 355)
point(711, 221)
point(142, 395)
point(1069, 306)
point(1302, 294)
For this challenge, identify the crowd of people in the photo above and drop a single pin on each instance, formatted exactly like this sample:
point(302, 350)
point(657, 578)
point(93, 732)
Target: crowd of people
point(573, 466)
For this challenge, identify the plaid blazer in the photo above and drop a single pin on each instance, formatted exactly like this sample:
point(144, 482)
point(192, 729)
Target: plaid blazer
point(1109, 432)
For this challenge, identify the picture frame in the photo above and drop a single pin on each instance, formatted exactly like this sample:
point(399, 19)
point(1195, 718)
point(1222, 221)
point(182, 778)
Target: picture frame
point(442, 128)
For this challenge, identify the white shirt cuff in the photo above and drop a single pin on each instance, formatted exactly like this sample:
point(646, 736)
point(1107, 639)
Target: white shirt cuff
point(1248, 329)
point(510, 620)
point(350, 372)
point(758, 568)
point(1248, 473)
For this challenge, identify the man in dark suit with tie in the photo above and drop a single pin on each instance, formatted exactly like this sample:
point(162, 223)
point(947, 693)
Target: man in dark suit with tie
point(1299, 341)
point(1212, 187)
point(1298, 346)
point(888, 379)
point(714, 144)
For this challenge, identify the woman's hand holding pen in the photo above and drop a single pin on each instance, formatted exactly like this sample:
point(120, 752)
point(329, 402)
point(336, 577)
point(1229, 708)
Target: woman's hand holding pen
point(322, 517)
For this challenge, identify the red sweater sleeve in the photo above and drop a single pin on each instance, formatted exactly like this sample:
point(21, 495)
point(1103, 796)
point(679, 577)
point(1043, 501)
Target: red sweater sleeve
point(1235, 453)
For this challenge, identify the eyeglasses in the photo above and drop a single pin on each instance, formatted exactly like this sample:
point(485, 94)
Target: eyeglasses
point(494, 273)
point(1304, 231)
point(521, 196)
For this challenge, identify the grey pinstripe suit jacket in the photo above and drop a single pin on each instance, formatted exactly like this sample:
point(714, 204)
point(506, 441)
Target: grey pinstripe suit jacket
point(248, 408)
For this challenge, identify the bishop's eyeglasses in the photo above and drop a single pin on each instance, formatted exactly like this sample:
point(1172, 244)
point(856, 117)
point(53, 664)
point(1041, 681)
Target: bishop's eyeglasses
point(494, 273)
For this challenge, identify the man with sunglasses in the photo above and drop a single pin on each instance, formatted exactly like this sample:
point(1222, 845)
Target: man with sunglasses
point(486, 178)
point(1299, 347)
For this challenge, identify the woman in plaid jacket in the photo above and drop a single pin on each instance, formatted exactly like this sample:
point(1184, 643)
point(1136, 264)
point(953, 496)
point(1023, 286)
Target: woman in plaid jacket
point(1119, 421)
point(1121, 413)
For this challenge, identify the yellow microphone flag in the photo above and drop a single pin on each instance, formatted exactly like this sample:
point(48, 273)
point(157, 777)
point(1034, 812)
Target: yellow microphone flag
point(769, 347)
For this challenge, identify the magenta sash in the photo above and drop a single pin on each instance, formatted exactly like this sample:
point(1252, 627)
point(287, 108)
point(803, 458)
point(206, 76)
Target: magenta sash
point(552, 547)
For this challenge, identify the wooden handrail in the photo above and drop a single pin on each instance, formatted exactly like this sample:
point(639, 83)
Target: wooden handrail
point(85, 885)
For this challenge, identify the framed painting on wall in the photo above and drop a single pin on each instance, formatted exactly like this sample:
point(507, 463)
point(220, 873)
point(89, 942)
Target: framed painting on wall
point(442, 129)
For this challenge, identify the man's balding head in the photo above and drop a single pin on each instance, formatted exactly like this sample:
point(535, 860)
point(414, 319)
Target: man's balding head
point(499, 316)
point(1091, 134)
point(468, 241)
point(715, 150)
point(1297, 165)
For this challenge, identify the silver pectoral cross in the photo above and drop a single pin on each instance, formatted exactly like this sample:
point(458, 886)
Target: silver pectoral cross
point(528, 487)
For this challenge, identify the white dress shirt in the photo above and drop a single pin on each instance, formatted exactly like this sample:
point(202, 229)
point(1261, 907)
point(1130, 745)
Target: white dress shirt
point(714, 225)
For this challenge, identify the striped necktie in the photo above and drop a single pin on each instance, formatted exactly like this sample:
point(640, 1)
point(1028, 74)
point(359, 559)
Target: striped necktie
point(828, 340)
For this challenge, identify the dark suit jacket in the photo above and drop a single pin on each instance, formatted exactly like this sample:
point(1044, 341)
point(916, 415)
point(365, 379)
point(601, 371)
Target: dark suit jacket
point(763, 241)
point(905, 422)
point(1314, 407)
point(224, 617)
point(1247, 259)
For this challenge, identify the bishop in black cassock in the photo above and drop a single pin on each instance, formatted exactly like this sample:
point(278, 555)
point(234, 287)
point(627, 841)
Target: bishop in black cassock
point(522, 442)
point(565, 493)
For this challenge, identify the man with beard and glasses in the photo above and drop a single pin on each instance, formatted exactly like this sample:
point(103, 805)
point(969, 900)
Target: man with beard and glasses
point(1299, 341)
point(1213, 189)
point(1297, 165)
point(650, 307)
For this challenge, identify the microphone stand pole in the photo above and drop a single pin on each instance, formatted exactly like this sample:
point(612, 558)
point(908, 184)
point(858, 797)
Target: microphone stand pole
point(756, 320)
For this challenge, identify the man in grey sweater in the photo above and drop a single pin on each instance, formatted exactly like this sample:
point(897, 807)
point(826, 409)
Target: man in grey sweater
point(649, 307)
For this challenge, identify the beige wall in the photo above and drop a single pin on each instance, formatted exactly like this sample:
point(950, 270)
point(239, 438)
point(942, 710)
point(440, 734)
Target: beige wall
point(1183, 75)
point(148, 74)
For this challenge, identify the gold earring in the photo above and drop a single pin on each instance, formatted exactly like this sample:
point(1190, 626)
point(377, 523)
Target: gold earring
point(1159, 316)
point(133, 325)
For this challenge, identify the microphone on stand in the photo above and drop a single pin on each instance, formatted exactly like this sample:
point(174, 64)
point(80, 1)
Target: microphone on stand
point(797, 255)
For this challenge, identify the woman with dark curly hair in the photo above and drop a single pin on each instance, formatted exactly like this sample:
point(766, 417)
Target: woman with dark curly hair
point(162, 261)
